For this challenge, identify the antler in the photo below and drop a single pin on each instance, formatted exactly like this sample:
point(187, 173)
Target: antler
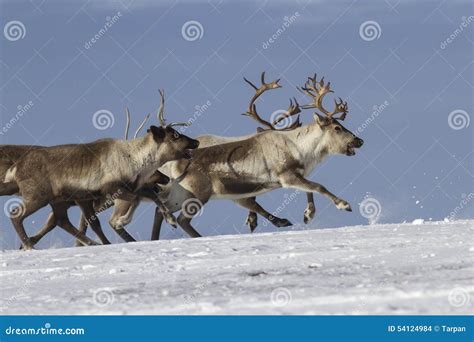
point(252, 110)
point(317, 90)
point(160, 112)
point(127, 125)
point(141, 126)
point(293, 109)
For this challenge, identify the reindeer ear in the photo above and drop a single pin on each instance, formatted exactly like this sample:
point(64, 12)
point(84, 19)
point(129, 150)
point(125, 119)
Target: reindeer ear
point(158, 132)
point(321, 120)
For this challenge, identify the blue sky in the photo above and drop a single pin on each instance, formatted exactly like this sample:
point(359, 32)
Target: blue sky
point(408, 79)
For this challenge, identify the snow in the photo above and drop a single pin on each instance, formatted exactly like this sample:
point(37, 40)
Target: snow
point(425, 268)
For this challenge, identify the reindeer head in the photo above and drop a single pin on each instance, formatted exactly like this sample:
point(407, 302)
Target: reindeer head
point(172, 145)
point(335, 137)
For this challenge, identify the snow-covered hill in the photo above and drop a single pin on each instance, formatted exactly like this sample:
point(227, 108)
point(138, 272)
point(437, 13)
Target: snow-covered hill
point(380, 269)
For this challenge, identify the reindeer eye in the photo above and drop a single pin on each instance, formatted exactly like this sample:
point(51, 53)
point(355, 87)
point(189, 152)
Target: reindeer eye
point(337, 129)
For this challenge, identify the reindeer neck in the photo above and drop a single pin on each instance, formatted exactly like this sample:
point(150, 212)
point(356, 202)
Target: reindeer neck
point(310, 142)
point(142, 155)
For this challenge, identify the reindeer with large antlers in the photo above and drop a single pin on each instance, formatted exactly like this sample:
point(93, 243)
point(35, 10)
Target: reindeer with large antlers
point(242, 169)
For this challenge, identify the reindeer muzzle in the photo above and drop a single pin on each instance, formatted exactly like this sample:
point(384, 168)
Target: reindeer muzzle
point(355, 143)
point(358, 142)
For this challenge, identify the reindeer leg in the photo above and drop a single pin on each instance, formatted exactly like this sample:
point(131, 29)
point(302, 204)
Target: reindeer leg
point(296, 181)
point(150, 194)
point(48, 226)
point(310, 208)
point(120, 219)
point(82, 228)
point(158, 220)
point(252, 220)
point(185, 223)
point(90, 216)
point(60, 211)
point(27, 209)
point(251, 204)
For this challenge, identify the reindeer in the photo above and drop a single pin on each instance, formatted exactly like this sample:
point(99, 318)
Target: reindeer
point(271, 159)
point(99, 205)
point(9, 156)
point(83, 172)
point(124, 210)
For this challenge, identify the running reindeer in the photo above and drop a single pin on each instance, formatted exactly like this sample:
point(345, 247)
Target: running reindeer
point(240, 170)
point(100, 205)
point(82, 173)
point(124, 209)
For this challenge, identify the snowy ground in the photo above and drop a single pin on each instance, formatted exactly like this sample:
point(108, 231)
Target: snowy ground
point(379, 269)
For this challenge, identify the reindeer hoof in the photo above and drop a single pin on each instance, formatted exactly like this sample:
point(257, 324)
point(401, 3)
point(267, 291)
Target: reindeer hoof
point(252, 221)
point(309, 214)
point(171, 220)
point(27, 248)
point(343, 205)
point(282, 223)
